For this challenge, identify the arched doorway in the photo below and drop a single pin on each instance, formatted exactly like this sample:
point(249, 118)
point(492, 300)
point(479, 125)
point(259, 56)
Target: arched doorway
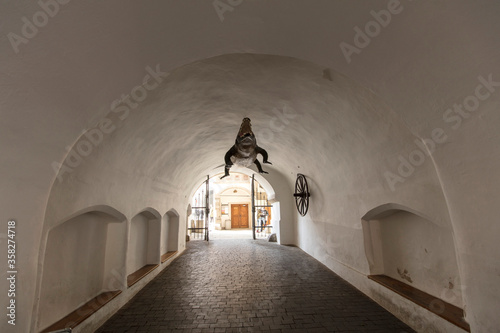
point(231, 211)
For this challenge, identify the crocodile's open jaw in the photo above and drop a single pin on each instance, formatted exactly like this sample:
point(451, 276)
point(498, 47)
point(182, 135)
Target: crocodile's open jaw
point(245, 133)
point(245, 150)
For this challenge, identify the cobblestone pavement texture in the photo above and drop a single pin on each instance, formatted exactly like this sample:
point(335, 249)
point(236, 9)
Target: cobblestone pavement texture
point(250, 286)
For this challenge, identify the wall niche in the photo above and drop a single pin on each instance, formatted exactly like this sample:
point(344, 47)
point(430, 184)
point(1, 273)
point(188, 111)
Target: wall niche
point(414, 257)
point(84, 262)
point(169, 235)
point(143, 254)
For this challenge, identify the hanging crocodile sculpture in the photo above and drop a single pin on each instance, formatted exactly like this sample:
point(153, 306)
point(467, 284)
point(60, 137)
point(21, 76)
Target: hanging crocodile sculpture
point(245, 150)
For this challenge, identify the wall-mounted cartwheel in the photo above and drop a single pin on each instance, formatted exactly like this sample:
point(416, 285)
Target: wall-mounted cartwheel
point(301, 194)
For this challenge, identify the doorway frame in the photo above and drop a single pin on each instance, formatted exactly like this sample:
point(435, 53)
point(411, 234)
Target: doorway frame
point(249, 211)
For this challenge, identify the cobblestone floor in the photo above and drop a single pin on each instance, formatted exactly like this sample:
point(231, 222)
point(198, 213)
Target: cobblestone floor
point(250, 286)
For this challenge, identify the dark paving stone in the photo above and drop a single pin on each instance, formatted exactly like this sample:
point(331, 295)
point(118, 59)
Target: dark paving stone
point(250, 286)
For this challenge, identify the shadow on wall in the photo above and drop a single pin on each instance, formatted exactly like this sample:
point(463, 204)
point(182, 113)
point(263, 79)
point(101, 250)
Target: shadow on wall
point(317, 203)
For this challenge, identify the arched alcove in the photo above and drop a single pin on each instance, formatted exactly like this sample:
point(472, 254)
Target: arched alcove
point(84, 258)
point(144, 245)
point(406, 246)
point(169, 235)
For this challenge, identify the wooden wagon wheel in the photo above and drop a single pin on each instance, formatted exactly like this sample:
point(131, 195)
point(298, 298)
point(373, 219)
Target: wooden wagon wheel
point(301, 194)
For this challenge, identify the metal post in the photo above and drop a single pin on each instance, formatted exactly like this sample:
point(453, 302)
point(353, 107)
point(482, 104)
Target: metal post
point(253, 207)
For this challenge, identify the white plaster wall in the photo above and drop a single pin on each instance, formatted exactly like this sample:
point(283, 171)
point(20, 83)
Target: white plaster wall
point(173, 232)
point(421, 254)
point(169, 232)
point(138, 243)
point(276, 218)
point(427, 59)
point(165, 223)
point(116, 250)
point(229, 195)
point(74, 266)
point(143, 244)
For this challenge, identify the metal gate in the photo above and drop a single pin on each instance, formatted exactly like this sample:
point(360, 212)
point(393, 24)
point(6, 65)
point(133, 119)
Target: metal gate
point(260, 203)
point(200, 228)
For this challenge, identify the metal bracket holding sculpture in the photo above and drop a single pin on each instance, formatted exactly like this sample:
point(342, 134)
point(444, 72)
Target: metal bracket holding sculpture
point(245, 150)
point(301, 194)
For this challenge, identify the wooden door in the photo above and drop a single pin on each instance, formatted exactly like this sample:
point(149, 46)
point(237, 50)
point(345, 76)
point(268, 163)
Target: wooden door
point(244, 216)
point(239, 216)
point(235, 216)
